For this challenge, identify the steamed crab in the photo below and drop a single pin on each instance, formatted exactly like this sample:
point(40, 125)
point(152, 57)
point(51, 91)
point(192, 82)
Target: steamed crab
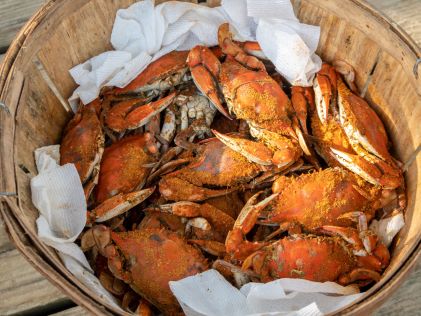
point(148, 259)
point(350, 133)
point(83, 142)
point(347, 256)
point(252, 95)
point(326, 197)
point(214, 171)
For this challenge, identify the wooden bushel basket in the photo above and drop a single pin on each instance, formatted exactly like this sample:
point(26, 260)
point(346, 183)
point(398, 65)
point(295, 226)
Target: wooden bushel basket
point(35, 84)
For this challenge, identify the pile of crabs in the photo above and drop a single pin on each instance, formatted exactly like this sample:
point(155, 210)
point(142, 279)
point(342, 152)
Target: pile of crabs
point(287, 186)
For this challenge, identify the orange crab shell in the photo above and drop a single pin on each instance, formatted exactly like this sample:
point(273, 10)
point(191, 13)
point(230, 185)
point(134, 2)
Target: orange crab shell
point(215, 165)
point(312, 258)
point(83, 141)
point(122, 166)
point(153, 257)
point(320, 198)
point(165, 66)
point(254, 96)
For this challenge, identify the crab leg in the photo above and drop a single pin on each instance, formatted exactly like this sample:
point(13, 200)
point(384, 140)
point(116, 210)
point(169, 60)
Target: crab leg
point(157, 75)
point(119, 204)
point(230, 48)
point(258, 152)
point(235, 243)
point(169, 127)
point(213, 247)
point(325, 84)
point(131, 115)
point(376, 171)
point(204, 68)
point(189, 191)
point(359, 274)
point(216, 217)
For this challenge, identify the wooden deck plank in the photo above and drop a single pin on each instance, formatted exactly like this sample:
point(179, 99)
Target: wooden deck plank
point(13, 15)
point(406, 300)
point(5, 244)
point(75, 311)
point(23, 289)
point(406, 13)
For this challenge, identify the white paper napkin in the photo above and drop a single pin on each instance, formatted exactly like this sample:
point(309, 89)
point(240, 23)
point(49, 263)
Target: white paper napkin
point(142, 33)
point(387, 228)
point(58, 195)
point(208, 293)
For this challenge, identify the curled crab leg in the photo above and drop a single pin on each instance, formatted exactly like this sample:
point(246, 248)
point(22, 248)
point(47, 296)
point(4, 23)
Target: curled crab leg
point(378, 256)
point(302, 98)
point(212, 247)
point(128, 115)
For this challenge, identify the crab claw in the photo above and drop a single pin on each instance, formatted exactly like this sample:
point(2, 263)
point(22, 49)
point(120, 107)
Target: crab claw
point(254, 151)
point(361, 124)
point(119, 204)
point(230, 48)
point(324, 90)
point(235, 242)
point(376, 171)
point(128, 115)
point(205, 68)
point(349, 234)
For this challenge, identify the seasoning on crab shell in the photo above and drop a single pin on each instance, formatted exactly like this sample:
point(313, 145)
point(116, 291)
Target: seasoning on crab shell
point(123, 166)
point(215, 165)
point(83, 141)
point(322, 198)
point(152, 258)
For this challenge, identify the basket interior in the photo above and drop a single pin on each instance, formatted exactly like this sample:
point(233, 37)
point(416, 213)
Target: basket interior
point(69, 32)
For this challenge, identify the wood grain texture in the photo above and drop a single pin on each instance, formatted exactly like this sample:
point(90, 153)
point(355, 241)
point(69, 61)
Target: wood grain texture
point(24, 289)
point(75, 311)
point(13, 15)
point(406, 300)
point(406, 13)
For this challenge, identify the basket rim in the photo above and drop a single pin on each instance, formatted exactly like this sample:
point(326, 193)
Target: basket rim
point(6, 70)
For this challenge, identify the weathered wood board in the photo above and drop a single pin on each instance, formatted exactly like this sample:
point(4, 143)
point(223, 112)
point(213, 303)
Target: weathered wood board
point(22, 289)
point(13, 15)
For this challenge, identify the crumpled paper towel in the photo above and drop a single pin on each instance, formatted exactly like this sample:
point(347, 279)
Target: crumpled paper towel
point(208, 293)
point(387, 228)
point(142, 33)
point(58, 195)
